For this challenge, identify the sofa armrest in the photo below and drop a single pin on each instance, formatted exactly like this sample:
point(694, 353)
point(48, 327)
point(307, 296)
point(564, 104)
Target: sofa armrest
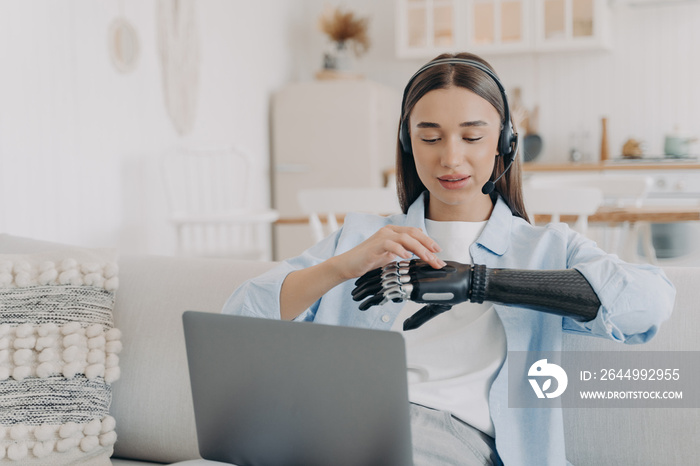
point(152, 400)
point(641, 436)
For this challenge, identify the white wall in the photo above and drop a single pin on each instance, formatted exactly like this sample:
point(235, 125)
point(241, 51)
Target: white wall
point(647, 84)
point(79, 142)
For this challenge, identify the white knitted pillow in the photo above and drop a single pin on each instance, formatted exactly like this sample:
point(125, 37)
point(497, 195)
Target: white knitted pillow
point(58, 357)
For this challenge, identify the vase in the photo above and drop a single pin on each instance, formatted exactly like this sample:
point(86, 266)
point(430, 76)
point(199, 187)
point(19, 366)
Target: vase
point(337, 57)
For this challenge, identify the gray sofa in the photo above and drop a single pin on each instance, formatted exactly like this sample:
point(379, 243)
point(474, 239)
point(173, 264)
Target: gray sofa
point(151, 401)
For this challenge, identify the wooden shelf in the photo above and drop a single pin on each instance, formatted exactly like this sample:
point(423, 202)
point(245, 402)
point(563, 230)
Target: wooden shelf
point(325, 75)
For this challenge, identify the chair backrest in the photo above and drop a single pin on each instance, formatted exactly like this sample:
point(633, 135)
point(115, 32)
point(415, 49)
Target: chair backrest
point(208, 198)
point(558, 201)
point(337, 201)
point(206, 180)
point(617, 189)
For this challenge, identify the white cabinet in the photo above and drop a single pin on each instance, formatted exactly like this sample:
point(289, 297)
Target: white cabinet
point(498, 26)
point(572, 25)
point(335, 133)
point(426, 28)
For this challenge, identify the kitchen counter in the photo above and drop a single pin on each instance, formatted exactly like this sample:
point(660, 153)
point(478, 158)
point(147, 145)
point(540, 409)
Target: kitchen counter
point(616, 164)
point(670, 178)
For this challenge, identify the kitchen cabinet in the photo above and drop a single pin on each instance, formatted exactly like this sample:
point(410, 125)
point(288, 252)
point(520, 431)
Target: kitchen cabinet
point(498, 25)
point(327, 134)
point(571, 25)
point(426, 28)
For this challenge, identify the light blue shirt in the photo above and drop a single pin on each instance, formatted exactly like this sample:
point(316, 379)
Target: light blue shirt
point(635, 299)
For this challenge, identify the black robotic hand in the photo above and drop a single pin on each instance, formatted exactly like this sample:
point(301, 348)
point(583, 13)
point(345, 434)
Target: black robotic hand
point(414, 280)
point(562, 292)
point(417, 281)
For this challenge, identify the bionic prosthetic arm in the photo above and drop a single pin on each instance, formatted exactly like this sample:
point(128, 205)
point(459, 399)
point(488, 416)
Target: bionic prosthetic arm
point(562, 292)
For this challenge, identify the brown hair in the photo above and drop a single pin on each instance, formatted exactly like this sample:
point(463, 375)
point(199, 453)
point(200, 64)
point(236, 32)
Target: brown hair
point(409, 185)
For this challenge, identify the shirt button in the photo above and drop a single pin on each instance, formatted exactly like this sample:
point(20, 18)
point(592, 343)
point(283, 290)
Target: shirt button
point(385, 318)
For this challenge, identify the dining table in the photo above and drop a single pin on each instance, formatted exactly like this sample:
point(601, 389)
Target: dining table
point(605, 214)
point(631, 214)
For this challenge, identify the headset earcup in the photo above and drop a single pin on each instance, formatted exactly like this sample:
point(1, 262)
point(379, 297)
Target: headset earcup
point(506, 142)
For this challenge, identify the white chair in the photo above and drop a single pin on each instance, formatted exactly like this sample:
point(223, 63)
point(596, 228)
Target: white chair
point(579, 202)
point(619, 190)
point(338, 201)
point(208, 198)
point(677, 242)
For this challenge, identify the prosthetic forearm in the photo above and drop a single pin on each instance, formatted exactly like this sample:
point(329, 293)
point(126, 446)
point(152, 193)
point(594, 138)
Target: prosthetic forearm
point(563, 292)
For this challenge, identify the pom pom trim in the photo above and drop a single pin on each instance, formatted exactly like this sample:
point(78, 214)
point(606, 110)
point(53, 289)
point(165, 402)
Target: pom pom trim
point(21, 442)
point(21, 274)
point(48, 349)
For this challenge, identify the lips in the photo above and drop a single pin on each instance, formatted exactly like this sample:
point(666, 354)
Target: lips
point(454, 181)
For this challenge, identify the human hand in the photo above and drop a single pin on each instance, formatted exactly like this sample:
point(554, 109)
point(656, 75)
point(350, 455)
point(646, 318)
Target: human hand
point(385, 246)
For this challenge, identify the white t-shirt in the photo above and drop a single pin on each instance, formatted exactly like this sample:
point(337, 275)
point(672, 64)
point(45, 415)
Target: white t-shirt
point(454, 357)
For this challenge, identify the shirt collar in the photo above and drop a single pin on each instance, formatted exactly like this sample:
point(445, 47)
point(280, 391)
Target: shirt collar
point(496, 234)
point(415, 217)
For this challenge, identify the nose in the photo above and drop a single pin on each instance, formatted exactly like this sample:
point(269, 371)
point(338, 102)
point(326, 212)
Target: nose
point(452, 155)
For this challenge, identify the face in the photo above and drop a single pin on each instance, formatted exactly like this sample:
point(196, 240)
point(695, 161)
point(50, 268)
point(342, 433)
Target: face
point(454, 136)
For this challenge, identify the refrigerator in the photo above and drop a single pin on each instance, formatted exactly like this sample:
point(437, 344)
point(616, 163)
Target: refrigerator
point(332, 133)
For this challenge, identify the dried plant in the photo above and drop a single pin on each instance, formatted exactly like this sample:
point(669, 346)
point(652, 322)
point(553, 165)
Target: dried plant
point(343, 27)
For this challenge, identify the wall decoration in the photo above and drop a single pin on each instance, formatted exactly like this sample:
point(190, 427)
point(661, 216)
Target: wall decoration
point(123, 43)
point(178, 45)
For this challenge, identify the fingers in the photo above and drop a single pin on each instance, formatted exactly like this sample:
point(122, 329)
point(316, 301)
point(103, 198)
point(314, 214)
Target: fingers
point(422, 252)
point(390, 283)
point(372, 301)
point(367, 289)
point(414, 240)
point(374, 281)
point(369, 276)
point(384, 246)
point(425, 314)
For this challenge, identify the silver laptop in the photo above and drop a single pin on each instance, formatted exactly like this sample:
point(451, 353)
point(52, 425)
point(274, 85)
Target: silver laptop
point(267, 392)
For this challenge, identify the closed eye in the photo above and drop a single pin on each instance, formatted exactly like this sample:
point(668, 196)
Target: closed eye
point(430, 141)
point(472, 139)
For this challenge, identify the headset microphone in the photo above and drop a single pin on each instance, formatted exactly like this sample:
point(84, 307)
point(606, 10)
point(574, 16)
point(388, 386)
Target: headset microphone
point(489, 186)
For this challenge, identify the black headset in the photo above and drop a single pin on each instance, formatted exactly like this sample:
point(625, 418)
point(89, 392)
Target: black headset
point(508, 139)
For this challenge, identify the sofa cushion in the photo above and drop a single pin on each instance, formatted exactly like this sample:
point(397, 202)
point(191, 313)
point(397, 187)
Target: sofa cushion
point(152, 401)
point(58, 356)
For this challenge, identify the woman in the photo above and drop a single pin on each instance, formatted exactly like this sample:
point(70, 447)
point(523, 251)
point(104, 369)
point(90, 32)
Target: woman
point(459, 185)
